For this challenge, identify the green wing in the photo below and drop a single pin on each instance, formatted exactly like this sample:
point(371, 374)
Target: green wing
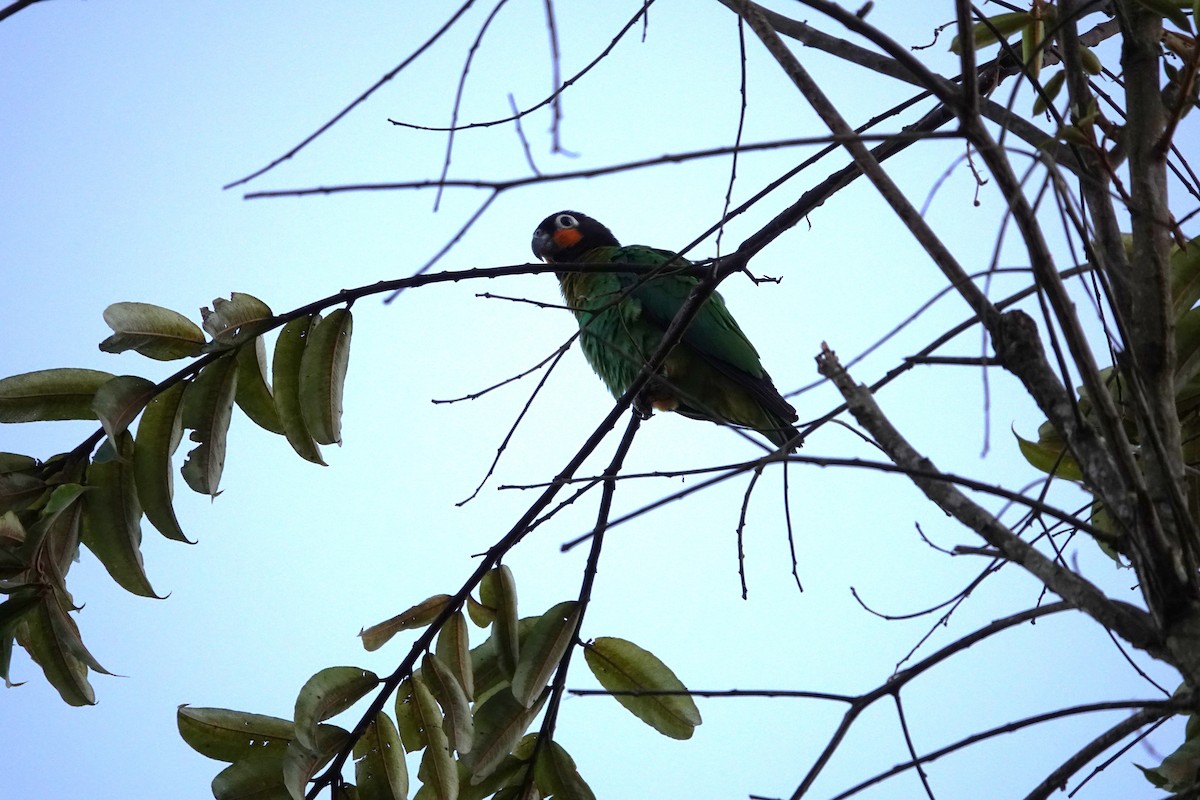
point(713, 333)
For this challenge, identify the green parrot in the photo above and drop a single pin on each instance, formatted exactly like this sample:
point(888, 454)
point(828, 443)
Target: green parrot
point(714, 373)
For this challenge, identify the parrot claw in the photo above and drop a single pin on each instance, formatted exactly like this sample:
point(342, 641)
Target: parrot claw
point(643, 406)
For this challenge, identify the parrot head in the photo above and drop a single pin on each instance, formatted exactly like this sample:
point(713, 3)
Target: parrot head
point(567, 235)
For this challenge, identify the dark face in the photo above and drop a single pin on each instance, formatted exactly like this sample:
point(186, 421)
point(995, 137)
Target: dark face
point(567, 235)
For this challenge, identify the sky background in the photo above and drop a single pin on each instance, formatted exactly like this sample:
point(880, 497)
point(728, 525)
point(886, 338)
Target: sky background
point(119, 124)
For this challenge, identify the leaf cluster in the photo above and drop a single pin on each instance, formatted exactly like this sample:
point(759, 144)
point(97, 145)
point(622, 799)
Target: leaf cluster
point(463, 715)
point(98, 499)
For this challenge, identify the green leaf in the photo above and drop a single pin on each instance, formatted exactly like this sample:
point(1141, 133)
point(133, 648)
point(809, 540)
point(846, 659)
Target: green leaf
point(543, 650)
point(511, 772)
point(326, 694)
point(438, 771)
point(19, 604)
point(408, 717)
point(256, 777)
point(19, 491)
point(1187, 348)
point(153, 331)
point(1089, 60)
point(227, 735)
point(622, 666)
point(454, 650)
point(119, 401)
point(237, 319)
point(425, 707)
point(15, 462)
point(207, 410)
point(480, 614)
point(112, 520)
point(300, 763)
point(1049, 91)
point(379, 767)
point(556, 774)
point(1178, 771)
point(57, 605)
point(489, 677)
point(50, 394)
point(456, 721)
point(253, 394)
point(499, 590)
point(64, 671)
point(1033, 48)
point(285, 374)
point(500, 722)
point(1185, 277)
point(323, 375)
point(418, 616)
point(57, 529)
point(983, 32)
point(158, 435)
point(1050, 457)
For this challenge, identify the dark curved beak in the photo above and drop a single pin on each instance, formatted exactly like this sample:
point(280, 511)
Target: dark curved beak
point(543, 245)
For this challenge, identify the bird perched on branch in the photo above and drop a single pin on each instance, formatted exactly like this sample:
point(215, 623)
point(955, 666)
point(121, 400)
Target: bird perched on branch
point(714, 373)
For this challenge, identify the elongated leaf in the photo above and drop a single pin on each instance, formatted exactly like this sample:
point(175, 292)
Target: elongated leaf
point(1187, 348)
point(255, 777)
point(408, 717)
point(485, 664)
point(15, 462)
point(438, 771)
point(19, 603)
point(329, 692)
point(1049, 91)
point(253, 394)
point(500, 722)
point(480, 614)
point(557, 775)
point(112, 520)
point(57, 529)
point(301, 763)
point(1185, 277)
point(158, 434)
point(541, 652)
point(454, 650)
point(323, 376)
point(153, 331)
point(511, 772)
point(1033, 47)
point(50, 394)
point(63, 670)
point(227, 735)
point(207, 410)
point(418, 616)
point(456, 709)
point(235, 320)
point(1050, 457)
point(285, 375)
point(379, 767)
point(499, 591)
point(119, 400)
point(67, 632)
point(985, 33)
point(19, 491)
point(622, 666)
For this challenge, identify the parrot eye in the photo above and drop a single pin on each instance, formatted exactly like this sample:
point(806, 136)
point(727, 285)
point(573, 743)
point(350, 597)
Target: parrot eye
point(565, 221)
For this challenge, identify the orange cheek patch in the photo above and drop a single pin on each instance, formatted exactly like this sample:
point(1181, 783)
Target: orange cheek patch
point(567, 237)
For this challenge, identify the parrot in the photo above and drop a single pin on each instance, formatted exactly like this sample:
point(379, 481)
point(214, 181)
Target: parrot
point(713, 374)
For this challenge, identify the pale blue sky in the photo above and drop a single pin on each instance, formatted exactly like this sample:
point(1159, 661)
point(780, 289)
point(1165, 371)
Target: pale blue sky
point(120, 122)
